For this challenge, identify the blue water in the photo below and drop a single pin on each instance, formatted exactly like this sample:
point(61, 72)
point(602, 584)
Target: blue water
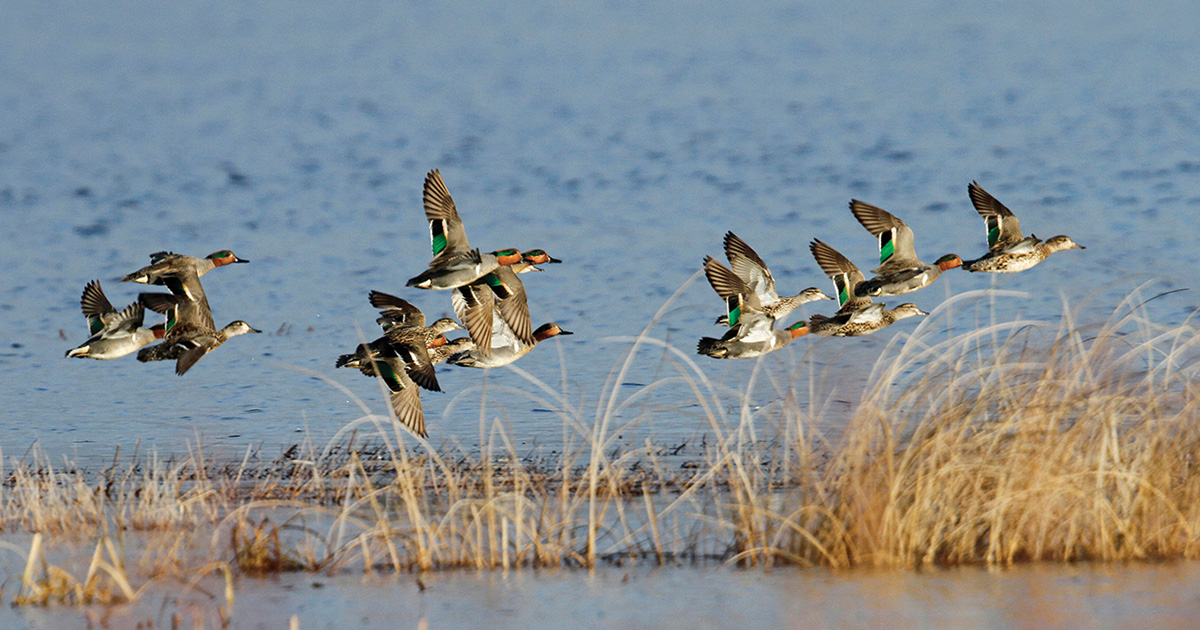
point(1069, 597)
point(624, 138)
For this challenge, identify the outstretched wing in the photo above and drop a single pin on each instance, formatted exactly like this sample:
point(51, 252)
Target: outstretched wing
point(511, 302)
point(740, 299)
point(1003, 229)
point(474, 305)
point(845, 275)
point(897, 247)
point(446, 233)
point(95, 306)
point(751, 268)
point(396, 310)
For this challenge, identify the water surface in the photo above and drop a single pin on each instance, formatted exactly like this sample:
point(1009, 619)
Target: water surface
point(624, 139)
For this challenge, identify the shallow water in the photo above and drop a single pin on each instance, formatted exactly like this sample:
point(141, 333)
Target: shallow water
point(623, 138)
point(1076, 596)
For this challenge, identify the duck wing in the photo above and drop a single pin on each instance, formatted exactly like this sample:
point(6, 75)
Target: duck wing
point(1003, 228)
point(395, 310)
point(474, 305)
point(845, 275)
point(897, 246)
point(406, 404)
point(750, 267)
point(446, 233)
point(95, 306)
point(511, 302)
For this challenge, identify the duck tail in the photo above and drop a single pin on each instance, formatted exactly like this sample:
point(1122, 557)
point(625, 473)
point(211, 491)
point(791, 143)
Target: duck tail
point(710, 347)
point(348, 360)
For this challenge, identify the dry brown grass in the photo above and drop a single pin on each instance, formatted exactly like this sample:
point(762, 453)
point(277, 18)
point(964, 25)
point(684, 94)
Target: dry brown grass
point(1008, 443)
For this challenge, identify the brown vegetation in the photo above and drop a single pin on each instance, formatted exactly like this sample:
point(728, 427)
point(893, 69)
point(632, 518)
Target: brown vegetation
point(1008, 443)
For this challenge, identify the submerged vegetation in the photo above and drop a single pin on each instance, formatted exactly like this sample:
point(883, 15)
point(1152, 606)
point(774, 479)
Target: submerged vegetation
point(1006, 443)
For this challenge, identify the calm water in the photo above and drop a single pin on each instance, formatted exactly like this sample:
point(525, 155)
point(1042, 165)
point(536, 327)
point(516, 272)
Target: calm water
point(1071, 597)
point(622, 137)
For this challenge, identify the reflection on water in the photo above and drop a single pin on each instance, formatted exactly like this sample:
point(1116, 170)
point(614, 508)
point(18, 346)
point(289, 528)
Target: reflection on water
point(1045, 597)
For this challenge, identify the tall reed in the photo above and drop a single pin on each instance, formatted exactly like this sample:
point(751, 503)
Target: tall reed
point(1007, 442)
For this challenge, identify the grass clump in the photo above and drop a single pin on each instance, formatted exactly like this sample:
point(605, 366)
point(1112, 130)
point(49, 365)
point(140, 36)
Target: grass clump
point(1005, 443)
point(1008, 444)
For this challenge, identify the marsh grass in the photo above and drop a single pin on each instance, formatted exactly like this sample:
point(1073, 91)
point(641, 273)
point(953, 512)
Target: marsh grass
point(1009, 442)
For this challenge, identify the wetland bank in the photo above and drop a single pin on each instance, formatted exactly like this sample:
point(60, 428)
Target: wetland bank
point(299, 132)
point(1009, 444)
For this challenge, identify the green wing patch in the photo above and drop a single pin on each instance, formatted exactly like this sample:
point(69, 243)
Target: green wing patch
point(886, 247)
point(841, 282)
point(385, 371)
point(993, 226)
point(94, 324)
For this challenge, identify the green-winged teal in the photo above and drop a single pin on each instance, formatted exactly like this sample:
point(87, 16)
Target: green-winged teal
point(499, 294)
point(401, 357)
point(395, 364)
point(864, 321)
point(1008, 250)
point(899, 271)
point(181, 275)
point(168, 269)
point(113, 334)
point(454, 263)
point(749, 266)
point(187, 343)
point(752, 331)
point(506, 348)
point(754, 336)
point(857, 315)
point(396, 311)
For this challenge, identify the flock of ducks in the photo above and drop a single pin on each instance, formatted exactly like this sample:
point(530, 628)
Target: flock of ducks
point(188, 332)
point(754, 305)
point(489, 298)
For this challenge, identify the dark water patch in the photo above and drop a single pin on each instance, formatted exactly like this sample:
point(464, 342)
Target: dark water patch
point(99, 228)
